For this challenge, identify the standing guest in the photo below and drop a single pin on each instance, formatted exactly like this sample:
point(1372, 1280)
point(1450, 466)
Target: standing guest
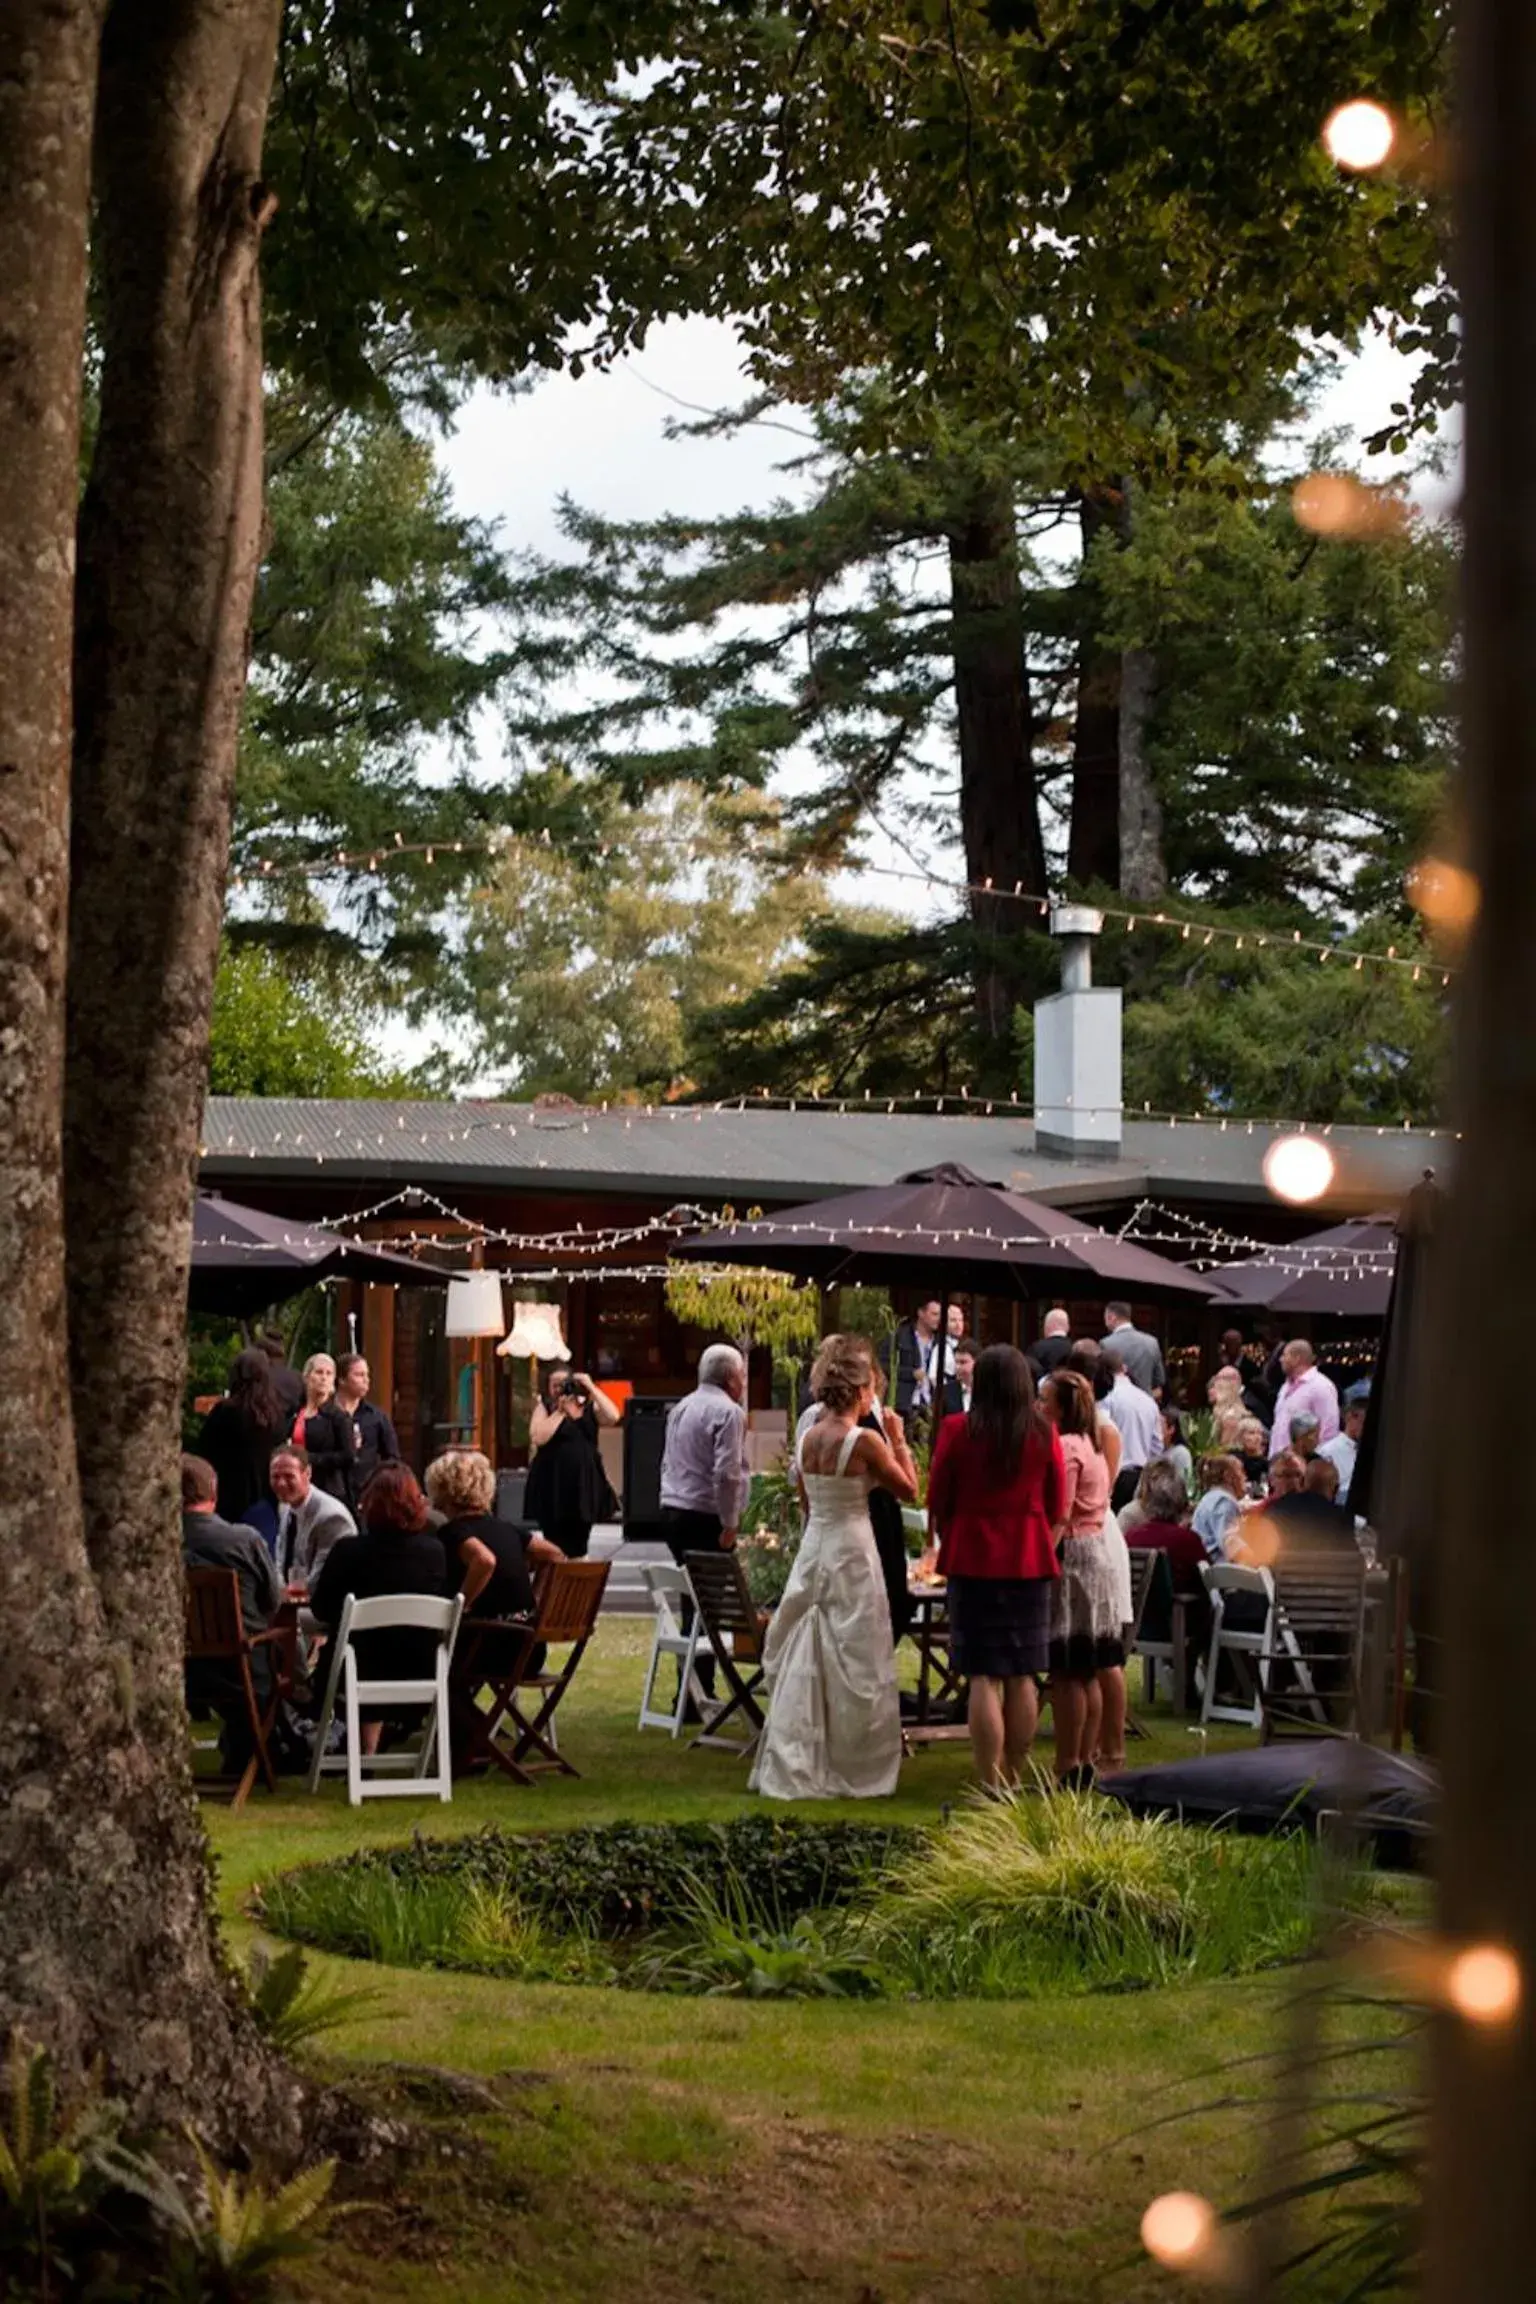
point(1087, 1629)
point(834, 1724)
point(1140, 1355)
point(957, 1389)
point(1218, 1515)
point(1138, 1420)
point(396, 1552)
point(996, 1492)
point(373, 1435)
point(567, 1487)
point(324, 1432)
point(239, 1434)
point(1344, 1447)
point(287, 1382)
point(1054, 1343)
point(704, 1476)
point(1306, 1391)
point(309, 1521)
point(913, 1351)
point(207, 1541)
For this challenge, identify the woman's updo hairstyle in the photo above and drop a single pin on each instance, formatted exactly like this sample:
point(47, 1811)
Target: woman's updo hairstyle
point(843, 1370)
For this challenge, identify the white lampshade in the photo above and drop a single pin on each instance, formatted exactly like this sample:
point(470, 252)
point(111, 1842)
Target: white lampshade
point(535, 1334)
point(474, 1305)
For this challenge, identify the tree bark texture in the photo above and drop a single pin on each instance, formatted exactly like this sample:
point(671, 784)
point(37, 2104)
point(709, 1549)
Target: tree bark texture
point(1093, 840)
point(999, 805)
point(1143, 866)
point(107, 1939)
point(1482, 2220)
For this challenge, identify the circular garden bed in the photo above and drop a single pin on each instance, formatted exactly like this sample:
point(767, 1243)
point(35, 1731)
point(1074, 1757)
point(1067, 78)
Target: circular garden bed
point(1002, 1900)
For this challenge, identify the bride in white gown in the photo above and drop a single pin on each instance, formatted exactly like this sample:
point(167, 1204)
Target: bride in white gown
point(834, 1723)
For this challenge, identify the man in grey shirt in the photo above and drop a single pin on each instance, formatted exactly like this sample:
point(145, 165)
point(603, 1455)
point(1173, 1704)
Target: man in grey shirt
point(1140, 1356)
point(704, 1477)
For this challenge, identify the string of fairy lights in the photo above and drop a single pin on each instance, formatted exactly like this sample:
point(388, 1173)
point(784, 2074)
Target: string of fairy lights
point(1151, 1224)
point(397, 850)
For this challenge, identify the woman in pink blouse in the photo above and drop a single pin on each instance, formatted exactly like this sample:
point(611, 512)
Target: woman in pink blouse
point(1086, 1632)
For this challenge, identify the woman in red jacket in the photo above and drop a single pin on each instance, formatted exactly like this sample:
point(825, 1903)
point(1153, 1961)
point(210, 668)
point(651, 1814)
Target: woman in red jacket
point(995, 1492)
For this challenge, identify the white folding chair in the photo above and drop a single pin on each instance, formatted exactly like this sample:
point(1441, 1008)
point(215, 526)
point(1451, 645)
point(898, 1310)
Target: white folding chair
point(381, 1775)
point(668, 1586)
point(1223, 1581)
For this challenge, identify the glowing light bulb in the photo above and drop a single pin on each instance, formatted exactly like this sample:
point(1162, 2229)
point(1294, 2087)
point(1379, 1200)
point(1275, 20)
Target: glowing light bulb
point(1298, 1169)
point(1177, 2228)
point(1483, 1984)
point(1360, 134)
point(1446, 894)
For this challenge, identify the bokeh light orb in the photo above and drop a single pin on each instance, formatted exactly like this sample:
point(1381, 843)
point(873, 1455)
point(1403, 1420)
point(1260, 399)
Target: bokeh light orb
point(1177, 2227)
point(1298, 1169)
point(1483, 1984)
point(1360, 134)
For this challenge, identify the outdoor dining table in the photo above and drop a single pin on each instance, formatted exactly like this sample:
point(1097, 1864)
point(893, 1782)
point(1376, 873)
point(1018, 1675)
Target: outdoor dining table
point(939, 1685)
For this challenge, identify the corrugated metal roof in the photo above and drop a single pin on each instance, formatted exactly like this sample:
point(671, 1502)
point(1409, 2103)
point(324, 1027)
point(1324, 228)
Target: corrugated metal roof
point(683, 1151)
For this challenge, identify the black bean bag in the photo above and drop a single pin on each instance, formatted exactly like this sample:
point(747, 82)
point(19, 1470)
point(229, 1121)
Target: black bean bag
point(1288, 1786)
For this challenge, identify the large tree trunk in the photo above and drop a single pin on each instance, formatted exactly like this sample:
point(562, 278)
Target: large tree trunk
point(1093, 840)
point(108, 1943)
point(999, 806)
point(1143, 866)
point(1482, 2221)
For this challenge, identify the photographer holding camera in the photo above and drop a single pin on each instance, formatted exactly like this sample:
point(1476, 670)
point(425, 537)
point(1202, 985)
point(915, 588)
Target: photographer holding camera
point(567, 1487)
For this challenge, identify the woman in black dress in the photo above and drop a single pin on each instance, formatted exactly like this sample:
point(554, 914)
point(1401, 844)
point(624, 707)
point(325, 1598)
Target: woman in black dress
point(567, 1487)
point(397, 1552)
point(239, 1434)
point(324, 1433)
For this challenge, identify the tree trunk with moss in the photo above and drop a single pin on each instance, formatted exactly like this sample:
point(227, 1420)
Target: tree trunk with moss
point(116, 802)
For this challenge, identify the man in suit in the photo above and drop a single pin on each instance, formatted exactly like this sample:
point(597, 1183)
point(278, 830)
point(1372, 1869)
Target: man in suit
point(957, 1388)
point(913, 1354)
point(1139, 1353)
point(308, 1520)
point(209, 1542)
point(1054, 1342)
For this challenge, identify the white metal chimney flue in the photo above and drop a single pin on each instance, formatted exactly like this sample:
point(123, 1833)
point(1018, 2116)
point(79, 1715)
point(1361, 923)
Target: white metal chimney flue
point(1078, 1091)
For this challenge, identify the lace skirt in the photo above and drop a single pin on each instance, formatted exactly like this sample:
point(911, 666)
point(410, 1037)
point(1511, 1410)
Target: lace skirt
point(1087, 1622)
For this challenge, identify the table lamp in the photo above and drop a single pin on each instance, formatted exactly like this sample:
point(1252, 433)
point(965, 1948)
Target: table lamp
point(534, 1336)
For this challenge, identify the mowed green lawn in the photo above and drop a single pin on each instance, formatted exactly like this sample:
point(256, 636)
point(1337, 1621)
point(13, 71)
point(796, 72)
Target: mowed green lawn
point(658, 2147)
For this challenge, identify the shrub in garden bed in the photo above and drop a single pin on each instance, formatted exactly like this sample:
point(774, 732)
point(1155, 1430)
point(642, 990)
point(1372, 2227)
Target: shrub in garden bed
point(1003, 1901)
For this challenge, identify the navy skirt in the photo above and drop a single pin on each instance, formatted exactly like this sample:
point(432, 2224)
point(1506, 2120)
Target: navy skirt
point(1000, 1626)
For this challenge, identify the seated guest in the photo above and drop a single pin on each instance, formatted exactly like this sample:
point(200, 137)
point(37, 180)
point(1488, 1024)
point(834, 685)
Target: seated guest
point(1306, 1433)
point(308, 1520)
point(396, 1552)
point(487, 1558)
point(209, 1542)
point(1287, 1476)
point(1218, 1515)
point(1162, 1525)
point(1311, 1514)
point(1252, 1451)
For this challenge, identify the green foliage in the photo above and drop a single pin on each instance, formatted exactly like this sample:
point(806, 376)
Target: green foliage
point(728, 1949)
point(55, 2163)
point(233, 2244)
point(591, 963)
point(275, 1034)
point(610, 1879)
point(751, 1307)
point(1069, 1893)
point(291, 2005)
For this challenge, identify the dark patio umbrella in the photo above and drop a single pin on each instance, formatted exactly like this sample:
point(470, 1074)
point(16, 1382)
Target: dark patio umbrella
point(1345, 1270)
point(960, 1232)
point(243, 1259)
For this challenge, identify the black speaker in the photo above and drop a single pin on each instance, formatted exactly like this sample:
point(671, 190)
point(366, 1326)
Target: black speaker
point(645, 1434)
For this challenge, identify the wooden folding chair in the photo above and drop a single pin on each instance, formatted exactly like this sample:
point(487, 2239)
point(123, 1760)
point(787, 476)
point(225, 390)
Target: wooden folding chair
point(496, 1663)
point(1310, 1671)
point(734, 1625)
point(216, 1634)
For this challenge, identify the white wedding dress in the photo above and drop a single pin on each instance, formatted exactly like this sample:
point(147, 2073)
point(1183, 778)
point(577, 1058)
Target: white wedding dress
point(834, 1722)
